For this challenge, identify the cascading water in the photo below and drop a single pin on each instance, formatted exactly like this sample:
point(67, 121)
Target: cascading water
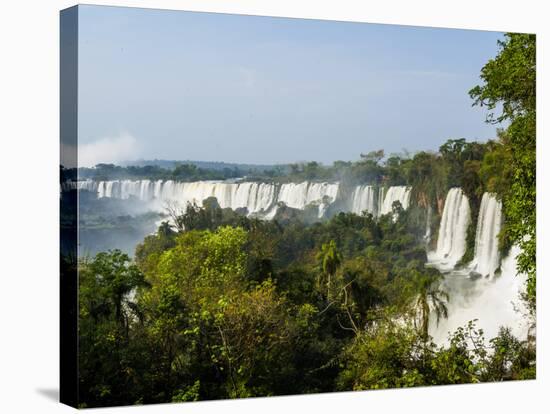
point(494, 301)
point(486, 256)
point(257, 198)
point(364, 198)
point(451, 241)
point(428, 232)
point(381, 193)
point(300, 195)
point(105, 189)
point(399, 193)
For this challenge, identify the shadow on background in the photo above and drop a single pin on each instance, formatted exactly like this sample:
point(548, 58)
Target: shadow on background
point(49, 393)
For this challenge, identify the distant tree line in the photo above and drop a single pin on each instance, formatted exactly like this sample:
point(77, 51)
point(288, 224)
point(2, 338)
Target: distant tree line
point(181, 172)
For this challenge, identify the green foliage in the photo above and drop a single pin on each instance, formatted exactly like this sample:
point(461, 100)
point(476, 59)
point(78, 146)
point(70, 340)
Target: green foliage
point(108, 358)
point(461, 362)
point(149, 251)
point(496, 168)
point(385, 355)
point(470, 240)
point(237, 311)
point(190, 393)
point(180, 172)
point(430, 299)
point(222, 305)
point(511, 359)
point(392, 355)
point(427, 175)
point(330, 259)
point(509, 81)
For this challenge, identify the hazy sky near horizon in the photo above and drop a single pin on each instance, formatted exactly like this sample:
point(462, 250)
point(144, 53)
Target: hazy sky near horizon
point(215, 87)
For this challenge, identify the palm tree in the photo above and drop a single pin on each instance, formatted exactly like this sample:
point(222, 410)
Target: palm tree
point(117, 278)
point(330, 259)
point(430, 298)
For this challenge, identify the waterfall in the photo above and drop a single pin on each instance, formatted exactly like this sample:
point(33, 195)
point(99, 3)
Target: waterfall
point(300, 195)
point(378, 201)
point(451, 242)
point(364, 198)
point(101, 189)
point(257, 198)
point(486, 254)
point(146, 190)
point(381, 192)
point(494, 301)
point(105, 189)
point(396, 193)
point(428, 232)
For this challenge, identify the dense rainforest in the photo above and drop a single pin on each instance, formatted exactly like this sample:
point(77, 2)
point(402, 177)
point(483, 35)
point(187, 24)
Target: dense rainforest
point(227, 306)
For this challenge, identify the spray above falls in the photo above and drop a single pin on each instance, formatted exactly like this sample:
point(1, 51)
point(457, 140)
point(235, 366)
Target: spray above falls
point(492, 302)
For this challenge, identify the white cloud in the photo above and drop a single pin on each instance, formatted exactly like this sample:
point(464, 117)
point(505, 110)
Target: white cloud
point(108, 150)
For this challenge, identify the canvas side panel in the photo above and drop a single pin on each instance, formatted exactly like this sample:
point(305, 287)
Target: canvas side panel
point(68, 206)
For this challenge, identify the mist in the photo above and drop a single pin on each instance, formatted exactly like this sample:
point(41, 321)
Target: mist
point(109, 150)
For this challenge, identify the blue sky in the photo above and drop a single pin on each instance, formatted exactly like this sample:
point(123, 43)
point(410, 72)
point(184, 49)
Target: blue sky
point(215, 87)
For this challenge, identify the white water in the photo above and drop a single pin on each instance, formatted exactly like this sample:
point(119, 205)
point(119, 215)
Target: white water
point(493, 299)
point(428, 232)
point(364, 198)
point(381, 192)
point(397, 193)
point(257, 198)
point(494, 302)
point(300, 195)
point(451, 241)
point(486, 256)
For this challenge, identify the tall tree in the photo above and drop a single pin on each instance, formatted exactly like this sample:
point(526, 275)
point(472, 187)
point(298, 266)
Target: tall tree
point(330, 259)
point(430, 298)
point(107, 316)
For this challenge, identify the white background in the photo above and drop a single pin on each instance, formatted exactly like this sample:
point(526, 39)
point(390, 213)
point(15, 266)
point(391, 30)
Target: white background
point(29, 126)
